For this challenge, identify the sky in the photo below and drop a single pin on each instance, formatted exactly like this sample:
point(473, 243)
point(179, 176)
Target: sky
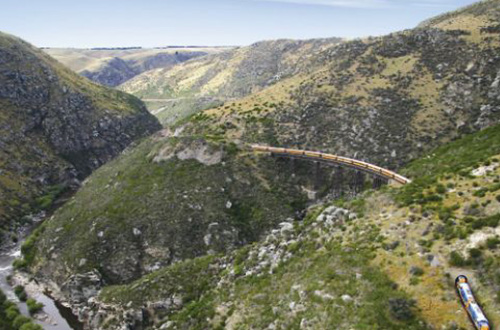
point(153, 23)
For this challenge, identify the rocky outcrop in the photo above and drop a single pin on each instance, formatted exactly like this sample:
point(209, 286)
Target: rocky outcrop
point(81, 291)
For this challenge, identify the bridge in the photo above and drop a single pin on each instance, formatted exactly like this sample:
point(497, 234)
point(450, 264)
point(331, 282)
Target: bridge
point(333, 159)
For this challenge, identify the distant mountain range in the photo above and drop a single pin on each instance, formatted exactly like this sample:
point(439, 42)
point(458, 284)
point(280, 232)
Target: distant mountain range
point(114, 66)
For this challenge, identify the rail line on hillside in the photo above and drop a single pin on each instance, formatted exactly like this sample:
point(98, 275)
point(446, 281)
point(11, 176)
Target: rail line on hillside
point(334, 159)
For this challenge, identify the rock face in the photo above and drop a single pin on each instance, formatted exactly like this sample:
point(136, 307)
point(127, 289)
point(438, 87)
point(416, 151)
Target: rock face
point(56, 126)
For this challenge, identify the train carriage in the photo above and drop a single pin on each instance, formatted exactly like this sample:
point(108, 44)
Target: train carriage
point(471, 306)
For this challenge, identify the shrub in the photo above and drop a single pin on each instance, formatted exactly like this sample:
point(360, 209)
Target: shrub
point(444, 214)
point(20, 320)
point(416, 271)
point(20, 264)
point(495, 187)
point(440, 189)
point(23, 296)
point(18, 289)
point(28, 248)
point(492, 242)
point(480, 192)
point(433, 198)
point(475, 253)
point(20, 293)
point(457, 260)
point(31, 326)
point(498, 198)
point(12, 312)
point(3, 298)
point(401, 308)
point(33, 306)
point(469, 219)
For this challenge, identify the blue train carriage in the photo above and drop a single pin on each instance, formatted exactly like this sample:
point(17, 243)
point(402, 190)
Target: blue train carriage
point(471, 306)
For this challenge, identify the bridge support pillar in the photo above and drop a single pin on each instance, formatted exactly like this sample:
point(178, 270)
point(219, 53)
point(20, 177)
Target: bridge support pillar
point(338, 180)
point(359, 181)
point(317, 175)
point(378, 182)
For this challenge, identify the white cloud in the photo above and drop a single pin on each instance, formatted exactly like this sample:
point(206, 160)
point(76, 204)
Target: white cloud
point(368, 3)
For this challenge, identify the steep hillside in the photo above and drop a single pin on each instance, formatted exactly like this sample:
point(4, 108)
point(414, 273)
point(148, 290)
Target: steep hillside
point(385, 260)
point(166, 200)
point(112, 67)
point(193, 191)
point(385, 100)
point(56, 127)
point(197, 84)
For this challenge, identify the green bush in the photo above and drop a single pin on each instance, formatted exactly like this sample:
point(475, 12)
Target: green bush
point(31, 326)
point(46, 201)
point(457, 260)
point(480, 192)
point(401, 308)
point(498, 198)
point(20, 320)
point(495, 187)
point(445, 214)
point(475, 253)
point(12, 312)
point(18, 289)
point(417, 271)
point(492, 242)
point(433, 198)
point(20, 293)
point(440, 189)
point(491, 221)
point(20, 264)
point(3, 298)
point(33, 306)
point(28, 248)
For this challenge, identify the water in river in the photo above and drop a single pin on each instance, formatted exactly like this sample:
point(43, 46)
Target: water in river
point(59, 317)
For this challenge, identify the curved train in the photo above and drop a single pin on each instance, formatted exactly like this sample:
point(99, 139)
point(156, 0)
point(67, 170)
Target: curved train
point(360, 165)
point(471, 306)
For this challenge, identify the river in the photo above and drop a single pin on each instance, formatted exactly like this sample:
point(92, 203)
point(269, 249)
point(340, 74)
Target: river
point(58, 316)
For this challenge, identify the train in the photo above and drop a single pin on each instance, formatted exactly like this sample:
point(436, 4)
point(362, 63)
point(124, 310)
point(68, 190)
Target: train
point(473, 309)
point(363, 166)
